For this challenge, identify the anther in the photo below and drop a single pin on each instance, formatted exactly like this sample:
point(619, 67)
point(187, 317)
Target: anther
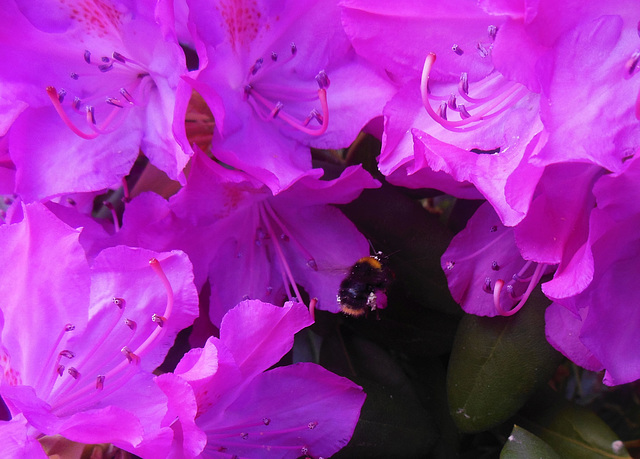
point(67, 353)
point(74, 75)
point(244, 435)
point(482, 51)
point(158, 319)
point(75, 374)
point(486, 287)
point(60, 370)
point(131, 324)
point(493, 229)
point(61, 95)
point(119, 57)
point(105, 67)
point(456, 49)
point(464, 83)
point(495, 266)
point(312, 425)
point(632, 63)
point(492, 31)
point(311, 263)
point(452, 102)
point(323, 79)
point(266, 421)
point(69, 327)
point(120, 302)
point(274, 56)
point(87, 56)
point(463, 111)
point(294, 49)
point(127, 96)
point(304, 450)
point(276, 109)
point(131, 357)
point(114, 102)
point(77, 102)
point(255, 67)
point(91, 116)
point(442, 111)
point(100, 382)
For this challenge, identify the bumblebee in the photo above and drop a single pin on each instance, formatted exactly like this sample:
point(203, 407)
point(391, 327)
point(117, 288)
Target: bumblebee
point(365, 287)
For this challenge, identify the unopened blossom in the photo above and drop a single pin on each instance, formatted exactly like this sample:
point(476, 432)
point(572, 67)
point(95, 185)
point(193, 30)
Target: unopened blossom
point(85, 87)
point(80, 338)
point(280, 76)
point(249, 243)
point(285, 412)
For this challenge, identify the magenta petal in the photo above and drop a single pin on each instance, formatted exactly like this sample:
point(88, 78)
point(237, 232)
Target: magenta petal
point(258, 334)
point(48, 267)
point(602, 131)
point(188, 439)
point(477, 257)
point(17, 442)
point(301, 409)
point(91, 426)
point(563, 328)
point(411, 30)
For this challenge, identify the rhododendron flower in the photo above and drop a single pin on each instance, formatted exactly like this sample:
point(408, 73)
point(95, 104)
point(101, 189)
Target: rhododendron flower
point(282, 74)
point(250, 243)
point(457, 123)
point(285, 412)
point(89, 85)
point(490, 132)
point(80, 339)
point(597, 327)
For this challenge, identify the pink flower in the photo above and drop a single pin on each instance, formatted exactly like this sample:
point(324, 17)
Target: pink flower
point(250, 243)
point(102, 327)
point(285, 412)
point(282, 74)
point(595, 326)
point(88, 86)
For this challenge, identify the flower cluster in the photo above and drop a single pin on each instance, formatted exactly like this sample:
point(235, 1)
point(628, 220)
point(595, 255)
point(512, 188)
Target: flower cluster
point(536, 109)
point(204, 116)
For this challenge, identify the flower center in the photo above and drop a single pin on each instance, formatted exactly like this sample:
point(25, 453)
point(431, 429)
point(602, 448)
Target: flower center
point(104, 103)
point(272, 100)
point(105, 365)
point(500, 96)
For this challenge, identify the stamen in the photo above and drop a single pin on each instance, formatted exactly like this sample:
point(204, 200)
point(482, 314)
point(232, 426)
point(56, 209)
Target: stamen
point(492, 31)
point(456, 49)
point(301, 126)
point(311, 262)
point(87, 56)
point(283, 260)
point(535, 278)
point(114, 214)
point(100, 382)
point(485, 108)
point(53, 95)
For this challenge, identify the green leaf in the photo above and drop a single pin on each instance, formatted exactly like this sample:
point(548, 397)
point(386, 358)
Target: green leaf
point(393, 421)
point(573, 431)
point(497, 364)
point(522, 444)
